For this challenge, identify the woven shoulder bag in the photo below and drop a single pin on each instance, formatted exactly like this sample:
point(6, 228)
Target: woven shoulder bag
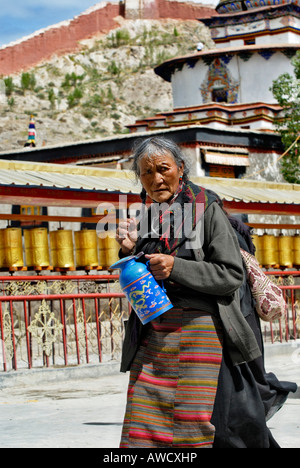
point(270, 303)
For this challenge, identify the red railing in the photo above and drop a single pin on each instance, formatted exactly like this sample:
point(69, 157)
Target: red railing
point(70, 320)
point(287, 329)
point(60, 321)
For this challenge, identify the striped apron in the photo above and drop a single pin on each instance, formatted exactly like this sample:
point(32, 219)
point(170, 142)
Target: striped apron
point(173, 383)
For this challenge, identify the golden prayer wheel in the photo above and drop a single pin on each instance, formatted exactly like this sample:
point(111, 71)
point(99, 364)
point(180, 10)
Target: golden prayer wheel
point(28, 248)
point(62, 249)
point(112, 248)
point(285, 247)
point(257, 241)
point(13, 244)
point(36, 247)
point(86, 248)
point(53, 248)
point(108, 250)
point(2, 249)
point(102, 252)
point(296, 250)
point(270, 257)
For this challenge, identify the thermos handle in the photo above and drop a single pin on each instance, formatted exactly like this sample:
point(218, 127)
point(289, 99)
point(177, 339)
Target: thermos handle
point(162, 283)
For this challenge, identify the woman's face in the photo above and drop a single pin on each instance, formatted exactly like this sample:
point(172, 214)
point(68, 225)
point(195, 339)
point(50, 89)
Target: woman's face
point(160, 176)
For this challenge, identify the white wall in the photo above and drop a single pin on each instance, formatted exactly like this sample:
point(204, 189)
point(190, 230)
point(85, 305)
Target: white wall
point(254, 76)
point(258, 74)
point(186, 85)
point(64, 211)
point(241, 31)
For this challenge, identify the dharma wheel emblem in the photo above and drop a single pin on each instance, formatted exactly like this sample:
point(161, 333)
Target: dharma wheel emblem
point(45, 327)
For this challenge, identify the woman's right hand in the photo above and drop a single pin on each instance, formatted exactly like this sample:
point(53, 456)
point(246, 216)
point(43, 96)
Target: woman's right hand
point(126, 235)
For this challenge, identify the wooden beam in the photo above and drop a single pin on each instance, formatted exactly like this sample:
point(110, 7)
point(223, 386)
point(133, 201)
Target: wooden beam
point(273, 226)
point(262, 208)
point(42, 196)
point(46, 218)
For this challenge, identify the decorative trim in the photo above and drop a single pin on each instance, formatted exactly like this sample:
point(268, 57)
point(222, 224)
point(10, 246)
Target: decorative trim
point(227, 58)
point(252, 15)
point(266, 54)
point(45, 327)
point(289, 53)
point(229, 6)
point(208, 60)
point(192, 62)
point(245, 55)
point(218, 72)
point(249, 35)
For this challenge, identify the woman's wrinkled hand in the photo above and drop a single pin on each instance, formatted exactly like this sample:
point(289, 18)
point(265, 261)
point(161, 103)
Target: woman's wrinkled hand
point(161, 265)
point(126, 235)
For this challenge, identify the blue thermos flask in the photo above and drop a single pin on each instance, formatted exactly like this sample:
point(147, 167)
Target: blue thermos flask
point(146, 296)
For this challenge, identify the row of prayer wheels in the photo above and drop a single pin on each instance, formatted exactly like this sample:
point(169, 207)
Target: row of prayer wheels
point(89, 251)
point(277, 251)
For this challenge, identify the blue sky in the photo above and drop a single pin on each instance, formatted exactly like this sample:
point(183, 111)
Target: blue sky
point(20, 18)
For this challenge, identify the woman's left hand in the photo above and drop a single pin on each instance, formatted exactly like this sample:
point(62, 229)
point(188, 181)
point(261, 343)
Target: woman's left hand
point(161, 265)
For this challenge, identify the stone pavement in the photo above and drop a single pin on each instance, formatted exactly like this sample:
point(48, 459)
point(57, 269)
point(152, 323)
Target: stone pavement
point(63, 412)
point(83, 407)
point(284, 361)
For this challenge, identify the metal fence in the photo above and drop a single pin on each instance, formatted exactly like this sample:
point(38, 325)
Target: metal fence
point(288, 328)
point(50, 321)
point(55, 321)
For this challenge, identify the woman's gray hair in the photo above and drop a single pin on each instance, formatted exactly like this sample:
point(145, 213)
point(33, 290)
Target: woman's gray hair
point(154, 146)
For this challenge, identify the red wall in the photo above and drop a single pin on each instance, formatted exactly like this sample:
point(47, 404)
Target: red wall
point(162, 9)
point(64, 39)
point(57, 40)
point(182, 10)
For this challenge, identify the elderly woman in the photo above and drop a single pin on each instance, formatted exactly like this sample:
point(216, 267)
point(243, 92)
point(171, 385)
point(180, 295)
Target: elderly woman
point(174, 361)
